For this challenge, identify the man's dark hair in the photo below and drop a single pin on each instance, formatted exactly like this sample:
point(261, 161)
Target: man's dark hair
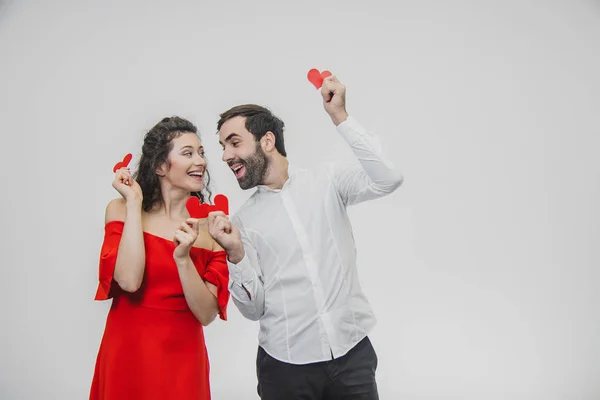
point(259, 121)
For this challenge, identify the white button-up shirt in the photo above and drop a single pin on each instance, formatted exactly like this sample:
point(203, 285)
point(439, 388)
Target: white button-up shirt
point(298, 276)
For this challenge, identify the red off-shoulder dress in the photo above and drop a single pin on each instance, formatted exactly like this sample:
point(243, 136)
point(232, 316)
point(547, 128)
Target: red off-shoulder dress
point(153, 347)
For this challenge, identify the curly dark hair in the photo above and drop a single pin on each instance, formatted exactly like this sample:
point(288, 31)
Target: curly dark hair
point(158, 142)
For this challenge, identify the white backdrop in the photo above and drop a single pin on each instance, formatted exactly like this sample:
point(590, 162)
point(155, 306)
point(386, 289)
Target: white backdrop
point(482, 268)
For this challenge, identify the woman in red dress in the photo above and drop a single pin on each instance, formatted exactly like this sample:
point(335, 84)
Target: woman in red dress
point(165, 274)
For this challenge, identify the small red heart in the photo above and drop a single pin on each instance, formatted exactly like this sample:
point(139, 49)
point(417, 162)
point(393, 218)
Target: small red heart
point(123, 164)
point(222, 203)
point(316, 78)
point(198, 210)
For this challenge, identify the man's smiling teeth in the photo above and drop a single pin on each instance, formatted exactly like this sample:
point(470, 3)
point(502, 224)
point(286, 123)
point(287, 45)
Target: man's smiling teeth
point(236, 168)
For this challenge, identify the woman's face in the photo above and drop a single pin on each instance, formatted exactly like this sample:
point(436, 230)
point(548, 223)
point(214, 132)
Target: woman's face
point(186, 163)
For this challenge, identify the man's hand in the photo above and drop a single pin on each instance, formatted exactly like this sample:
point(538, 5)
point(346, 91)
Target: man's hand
point(227, 235)
point(334, 99)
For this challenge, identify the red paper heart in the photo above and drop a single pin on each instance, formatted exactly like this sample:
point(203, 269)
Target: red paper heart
point(198, 210)
point(316, 78)
point(123, 164)
point(222, 203)
point(194, 207)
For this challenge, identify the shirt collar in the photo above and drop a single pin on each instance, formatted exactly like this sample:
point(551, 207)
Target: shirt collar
point(292, 170)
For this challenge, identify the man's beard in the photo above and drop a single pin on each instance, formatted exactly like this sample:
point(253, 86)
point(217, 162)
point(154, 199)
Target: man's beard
point(256, 167)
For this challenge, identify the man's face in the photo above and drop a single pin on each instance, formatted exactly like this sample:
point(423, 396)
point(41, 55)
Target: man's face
point(243, 153)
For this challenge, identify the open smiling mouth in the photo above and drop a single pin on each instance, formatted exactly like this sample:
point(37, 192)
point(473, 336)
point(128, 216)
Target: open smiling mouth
point(238, 170)
point(196, 175)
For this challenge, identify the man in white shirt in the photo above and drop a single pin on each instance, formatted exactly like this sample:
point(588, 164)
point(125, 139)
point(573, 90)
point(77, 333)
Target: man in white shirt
point(291, 253)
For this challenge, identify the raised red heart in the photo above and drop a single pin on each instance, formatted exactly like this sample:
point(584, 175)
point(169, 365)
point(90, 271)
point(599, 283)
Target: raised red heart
point(316, 78)
point(123, 164)
point(198, 210)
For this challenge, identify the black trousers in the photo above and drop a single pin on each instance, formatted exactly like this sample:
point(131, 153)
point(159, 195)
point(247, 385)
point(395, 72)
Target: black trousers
point(350, 377)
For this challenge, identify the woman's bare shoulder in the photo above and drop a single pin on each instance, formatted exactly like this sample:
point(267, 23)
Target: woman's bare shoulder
point(115, 210)
point(205, 240)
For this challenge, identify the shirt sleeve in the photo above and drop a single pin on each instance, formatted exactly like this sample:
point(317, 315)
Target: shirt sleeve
point(107, 287)
point(246, 281)
point(372, 176)
point(217, 273)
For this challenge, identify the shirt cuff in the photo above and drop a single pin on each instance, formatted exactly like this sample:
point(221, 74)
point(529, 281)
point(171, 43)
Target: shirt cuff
point(358, 137)
point(236, 271)
point(352, 130)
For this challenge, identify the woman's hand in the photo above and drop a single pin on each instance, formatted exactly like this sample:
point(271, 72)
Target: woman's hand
point(184, 238)
point(127, 186)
